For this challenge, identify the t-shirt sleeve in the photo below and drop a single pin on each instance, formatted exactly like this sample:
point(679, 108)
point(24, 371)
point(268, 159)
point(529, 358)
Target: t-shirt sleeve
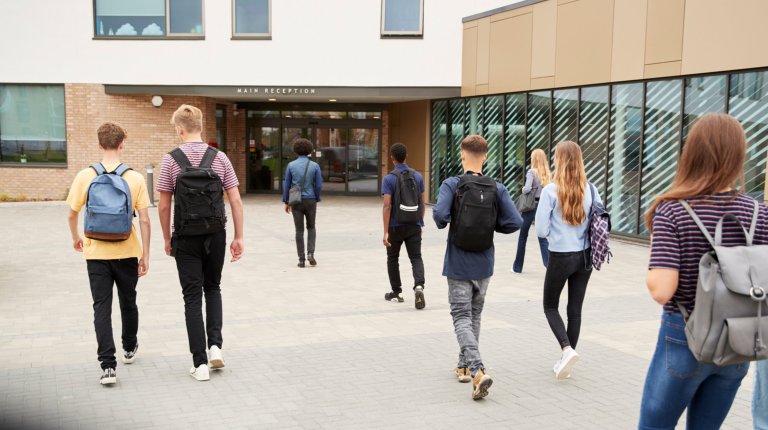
point(387, 186)
point(421, 183)
point(665, 242)
point(142, 198)
point(165, 182)
point(78, 192)
point(230, 178)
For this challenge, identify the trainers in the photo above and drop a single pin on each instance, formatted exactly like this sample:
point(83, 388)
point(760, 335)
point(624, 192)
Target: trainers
point(108, 377)
point(301, 263)
point(420, 302)
point(480, 384)
point(215, 357)
point(563, 367)
point(394, 297)
point(129, 356)
point(512, 269)
point(311, 259)
point(558, 365)
point(201, 373)
point(463, 374)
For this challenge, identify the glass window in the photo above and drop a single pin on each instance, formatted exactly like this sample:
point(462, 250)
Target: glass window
point(130, 18)
point(32, 124)
point(538, 122)
point(252, 18)
point(749, 104)
point(264, 158)
point(402, 17)
point(221, 120)
point(439, 150)
point(263, 114)
point(514, 150)
point(474, 117)
point(331, 145)
point(594, 134)
point(456, 124)
point(365, 115)
point(493, 132)
point(314, 114)
point(363, 160)
point(565, 122)
point(186, 16)
point(702, 95)
point(624, 156)
point(661, 144)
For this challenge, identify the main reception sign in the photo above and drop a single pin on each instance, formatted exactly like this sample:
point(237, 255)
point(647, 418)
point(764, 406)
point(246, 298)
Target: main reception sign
point(274, 90)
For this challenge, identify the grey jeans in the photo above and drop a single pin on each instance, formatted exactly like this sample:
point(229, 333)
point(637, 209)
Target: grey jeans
point(306, 209)
point(467, 299)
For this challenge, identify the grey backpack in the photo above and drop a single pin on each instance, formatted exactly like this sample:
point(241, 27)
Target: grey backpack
point(731, 314)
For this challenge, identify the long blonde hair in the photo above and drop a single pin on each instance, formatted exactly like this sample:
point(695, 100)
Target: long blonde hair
point(571, 181)
point(540, 167)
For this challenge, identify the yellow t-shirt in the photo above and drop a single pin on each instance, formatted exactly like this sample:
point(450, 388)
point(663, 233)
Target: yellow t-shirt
point(98, 249)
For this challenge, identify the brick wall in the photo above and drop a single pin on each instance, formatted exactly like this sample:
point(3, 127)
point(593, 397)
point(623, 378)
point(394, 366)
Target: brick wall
point(150, 136)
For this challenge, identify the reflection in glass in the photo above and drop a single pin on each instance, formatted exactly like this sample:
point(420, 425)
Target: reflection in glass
point(438, 151)
point(32, 123)
point(456, 121)
point(749, 104)
point(264, 158)
point(364, 115)
point(514, 151)
point(474, 117)
point(594, 134)
point(290, 134)
point(221, 120)
point(494, 129)
point(702, 95)
point(315, 114)
point(130, 18)
point(538, 122)
point(252, 16)
point(402, 15)
point(624, 156)
point(221, 140)
point(565, 107)
point(263, 114)
point(186, 16)
point(331, 155)
point(364, 160)
point(661, 143)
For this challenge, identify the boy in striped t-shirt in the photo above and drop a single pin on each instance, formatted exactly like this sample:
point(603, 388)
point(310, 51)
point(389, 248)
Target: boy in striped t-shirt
point(200, 259)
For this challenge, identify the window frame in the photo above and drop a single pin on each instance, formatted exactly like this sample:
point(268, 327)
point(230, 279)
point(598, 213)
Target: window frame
point(168, 35)
point(395, 34)
point(251, 36)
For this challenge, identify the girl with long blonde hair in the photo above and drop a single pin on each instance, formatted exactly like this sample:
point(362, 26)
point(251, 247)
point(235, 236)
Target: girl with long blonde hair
point(536, 179)
point(562, 217)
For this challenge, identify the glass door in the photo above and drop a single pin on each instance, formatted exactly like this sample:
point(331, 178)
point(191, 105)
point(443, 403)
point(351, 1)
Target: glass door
point(264, 159)
point(290, 134)
point(331, 155)
point(363, 172)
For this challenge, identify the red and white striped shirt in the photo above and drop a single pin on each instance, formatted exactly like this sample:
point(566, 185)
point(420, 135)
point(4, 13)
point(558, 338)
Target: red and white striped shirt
point(169, 169)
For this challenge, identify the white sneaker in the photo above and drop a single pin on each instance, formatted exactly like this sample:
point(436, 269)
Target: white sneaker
point(108, 377)
point(201, 373)
point(512, 269)
point(564, 366)
point(558, 365)
point(215, 357)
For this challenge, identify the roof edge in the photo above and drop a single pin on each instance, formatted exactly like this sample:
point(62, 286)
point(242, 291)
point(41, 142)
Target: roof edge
point(517, 5)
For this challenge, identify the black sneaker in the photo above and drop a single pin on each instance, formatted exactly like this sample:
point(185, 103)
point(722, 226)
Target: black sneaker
point(301, 263)
point(108, 377)
point(311, 259)
point(419, 292)
point(394, 297)
point(129, 356)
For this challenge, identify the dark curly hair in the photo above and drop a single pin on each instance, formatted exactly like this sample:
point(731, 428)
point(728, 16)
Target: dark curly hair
point(302, 146)
point(399, 152)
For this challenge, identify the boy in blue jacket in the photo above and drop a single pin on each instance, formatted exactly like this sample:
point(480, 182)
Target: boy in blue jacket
point(470, 272)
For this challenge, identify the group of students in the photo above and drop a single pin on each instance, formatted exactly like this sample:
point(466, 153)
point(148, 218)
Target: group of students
point(474, 207)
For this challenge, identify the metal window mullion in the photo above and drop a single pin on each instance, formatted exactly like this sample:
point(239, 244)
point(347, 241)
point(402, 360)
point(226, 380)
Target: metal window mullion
point(682, 116)
point(578, 116)
point(608, 144)
point(551, 125)
point(727, 93)
point(525, 132)
point(503, 138)
point(640, 161)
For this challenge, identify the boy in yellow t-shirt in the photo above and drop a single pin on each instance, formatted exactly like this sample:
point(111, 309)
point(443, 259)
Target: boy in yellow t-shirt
point(110, 263)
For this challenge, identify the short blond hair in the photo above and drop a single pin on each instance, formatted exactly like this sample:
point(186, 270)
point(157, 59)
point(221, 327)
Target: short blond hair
point(189, 118)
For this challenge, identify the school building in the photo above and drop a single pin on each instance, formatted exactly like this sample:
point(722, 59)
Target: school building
point(625, 79)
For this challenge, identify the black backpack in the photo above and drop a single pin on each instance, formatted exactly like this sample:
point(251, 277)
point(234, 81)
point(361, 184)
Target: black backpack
point(473, 216)
point(199, 196)
point(407, 202)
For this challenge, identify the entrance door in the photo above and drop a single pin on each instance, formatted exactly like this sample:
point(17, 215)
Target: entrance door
point(264, 158)
point(331, 155)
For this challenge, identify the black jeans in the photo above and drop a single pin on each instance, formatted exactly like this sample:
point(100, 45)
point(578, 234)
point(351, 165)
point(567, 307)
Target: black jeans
point(411, 236)
point(562, 267)
point(306, 209)
point(103, 274)
point(200, 273)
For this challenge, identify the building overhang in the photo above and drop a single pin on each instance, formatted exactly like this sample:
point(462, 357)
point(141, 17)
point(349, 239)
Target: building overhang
point(293, 93)
point(513, 6)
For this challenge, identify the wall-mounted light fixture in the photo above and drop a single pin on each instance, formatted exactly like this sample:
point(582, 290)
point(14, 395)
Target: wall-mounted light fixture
point(332, 100)
point(157, 101)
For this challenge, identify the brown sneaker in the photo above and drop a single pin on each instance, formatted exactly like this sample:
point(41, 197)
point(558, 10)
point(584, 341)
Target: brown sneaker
point(480, 384)
point(463, 374)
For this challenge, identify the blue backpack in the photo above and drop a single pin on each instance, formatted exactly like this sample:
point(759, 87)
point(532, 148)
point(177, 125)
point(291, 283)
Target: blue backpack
point(108, 208)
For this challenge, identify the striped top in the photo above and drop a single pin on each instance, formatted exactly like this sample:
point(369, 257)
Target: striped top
point(678, 244)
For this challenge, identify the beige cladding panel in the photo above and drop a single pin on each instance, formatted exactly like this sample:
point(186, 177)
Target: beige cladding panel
point(544, 40)
point(469, 62)
point(511, 13)
point(584, 35)
point(481, 90)
point(724, 35)
point(628, 58)
point(661, 70)
point(664, 31)
point(510, 68)
point(483, 49)
point(542, 83)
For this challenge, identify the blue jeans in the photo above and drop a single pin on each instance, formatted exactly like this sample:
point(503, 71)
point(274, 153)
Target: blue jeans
point(760, 396)
point(676, 381)
point(528, 218)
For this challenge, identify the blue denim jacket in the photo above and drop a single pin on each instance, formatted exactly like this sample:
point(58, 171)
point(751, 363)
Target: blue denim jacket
point(295, 171)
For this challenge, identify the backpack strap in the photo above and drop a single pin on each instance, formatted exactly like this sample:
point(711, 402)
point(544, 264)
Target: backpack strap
point(121, 169)
point(755, 213)
point(719, 229)
point(181, 158)
point(99, 169)
point(697, 221)
point(208, 157)
point(587, 236)
point(683, 311)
